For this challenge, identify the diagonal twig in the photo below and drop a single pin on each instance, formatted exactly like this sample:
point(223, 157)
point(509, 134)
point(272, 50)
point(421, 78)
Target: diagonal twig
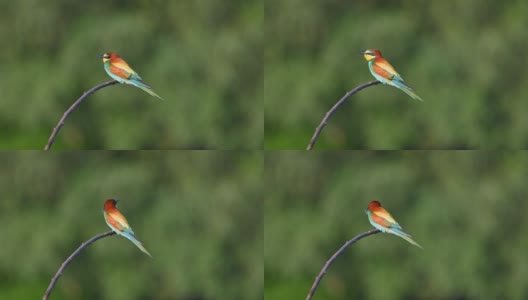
point(333, 110)
point(331, 260)
point(70, 258)
point(70, 110)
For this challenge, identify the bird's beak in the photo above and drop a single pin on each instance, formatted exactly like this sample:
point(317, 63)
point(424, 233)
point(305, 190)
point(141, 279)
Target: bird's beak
point(361, 52)
point(101, 55)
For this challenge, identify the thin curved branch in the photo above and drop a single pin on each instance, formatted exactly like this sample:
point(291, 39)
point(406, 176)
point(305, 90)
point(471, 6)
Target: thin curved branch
point(333, 110)
point(331, 260)
point(70, 110)
point(70, 258)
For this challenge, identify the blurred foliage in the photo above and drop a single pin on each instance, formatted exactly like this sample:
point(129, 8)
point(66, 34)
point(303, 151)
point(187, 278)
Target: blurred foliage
point(462, 57)
point(198, 213)
point(203, 57)
point(465, 208)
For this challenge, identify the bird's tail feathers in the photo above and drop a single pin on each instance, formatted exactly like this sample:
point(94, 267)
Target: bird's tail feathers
point(151, 92)
point(412, 94)
point(147, 88)
point(410, 240)
point(407, 89)
point(140, 246)
point(136, 242)
point(404, 235)
point(140, 83)
point(399, 231)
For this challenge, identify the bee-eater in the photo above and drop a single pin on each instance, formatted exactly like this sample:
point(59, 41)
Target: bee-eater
point(383, 71)
point(119, 224)
point(382, 220)
point(119, 70)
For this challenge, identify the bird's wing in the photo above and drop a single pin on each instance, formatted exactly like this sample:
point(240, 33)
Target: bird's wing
point(385, 69)
point(117, 220)
point(122, 69)
point(382, 213)
point(120, 72)
point(380, 220)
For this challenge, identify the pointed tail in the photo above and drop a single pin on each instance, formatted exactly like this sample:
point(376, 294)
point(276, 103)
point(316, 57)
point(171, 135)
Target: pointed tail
point(404, 235)
point(410, 240)
point(151, 92)
point(147, 88)
point(136, 242)
point(406, 89)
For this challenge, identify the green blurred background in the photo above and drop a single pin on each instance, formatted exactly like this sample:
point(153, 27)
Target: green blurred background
point(203, 57)
point(464, 58)
point(466, 208)
point(198, 213)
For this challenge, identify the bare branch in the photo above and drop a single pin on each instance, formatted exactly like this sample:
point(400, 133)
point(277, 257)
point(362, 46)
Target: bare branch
point(331, 260)
point(333, 110)
point(70, 110)
point(70, 258)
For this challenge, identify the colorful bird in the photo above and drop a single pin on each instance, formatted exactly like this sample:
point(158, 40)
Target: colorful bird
point(382, 220)
point(119, 224)
point(383, 71)
point(119, 70)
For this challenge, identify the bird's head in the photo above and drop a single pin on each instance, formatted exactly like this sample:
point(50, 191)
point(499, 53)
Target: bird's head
point(373, 205)
point(107, 56)
point(370, 54)
point(110, 203)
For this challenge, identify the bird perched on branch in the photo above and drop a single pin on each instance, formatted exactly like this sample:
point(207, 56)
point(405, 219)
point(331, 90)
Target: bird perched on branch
point(383, 71)
point(118, 223)
point(119, 70)
point(381, 219)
